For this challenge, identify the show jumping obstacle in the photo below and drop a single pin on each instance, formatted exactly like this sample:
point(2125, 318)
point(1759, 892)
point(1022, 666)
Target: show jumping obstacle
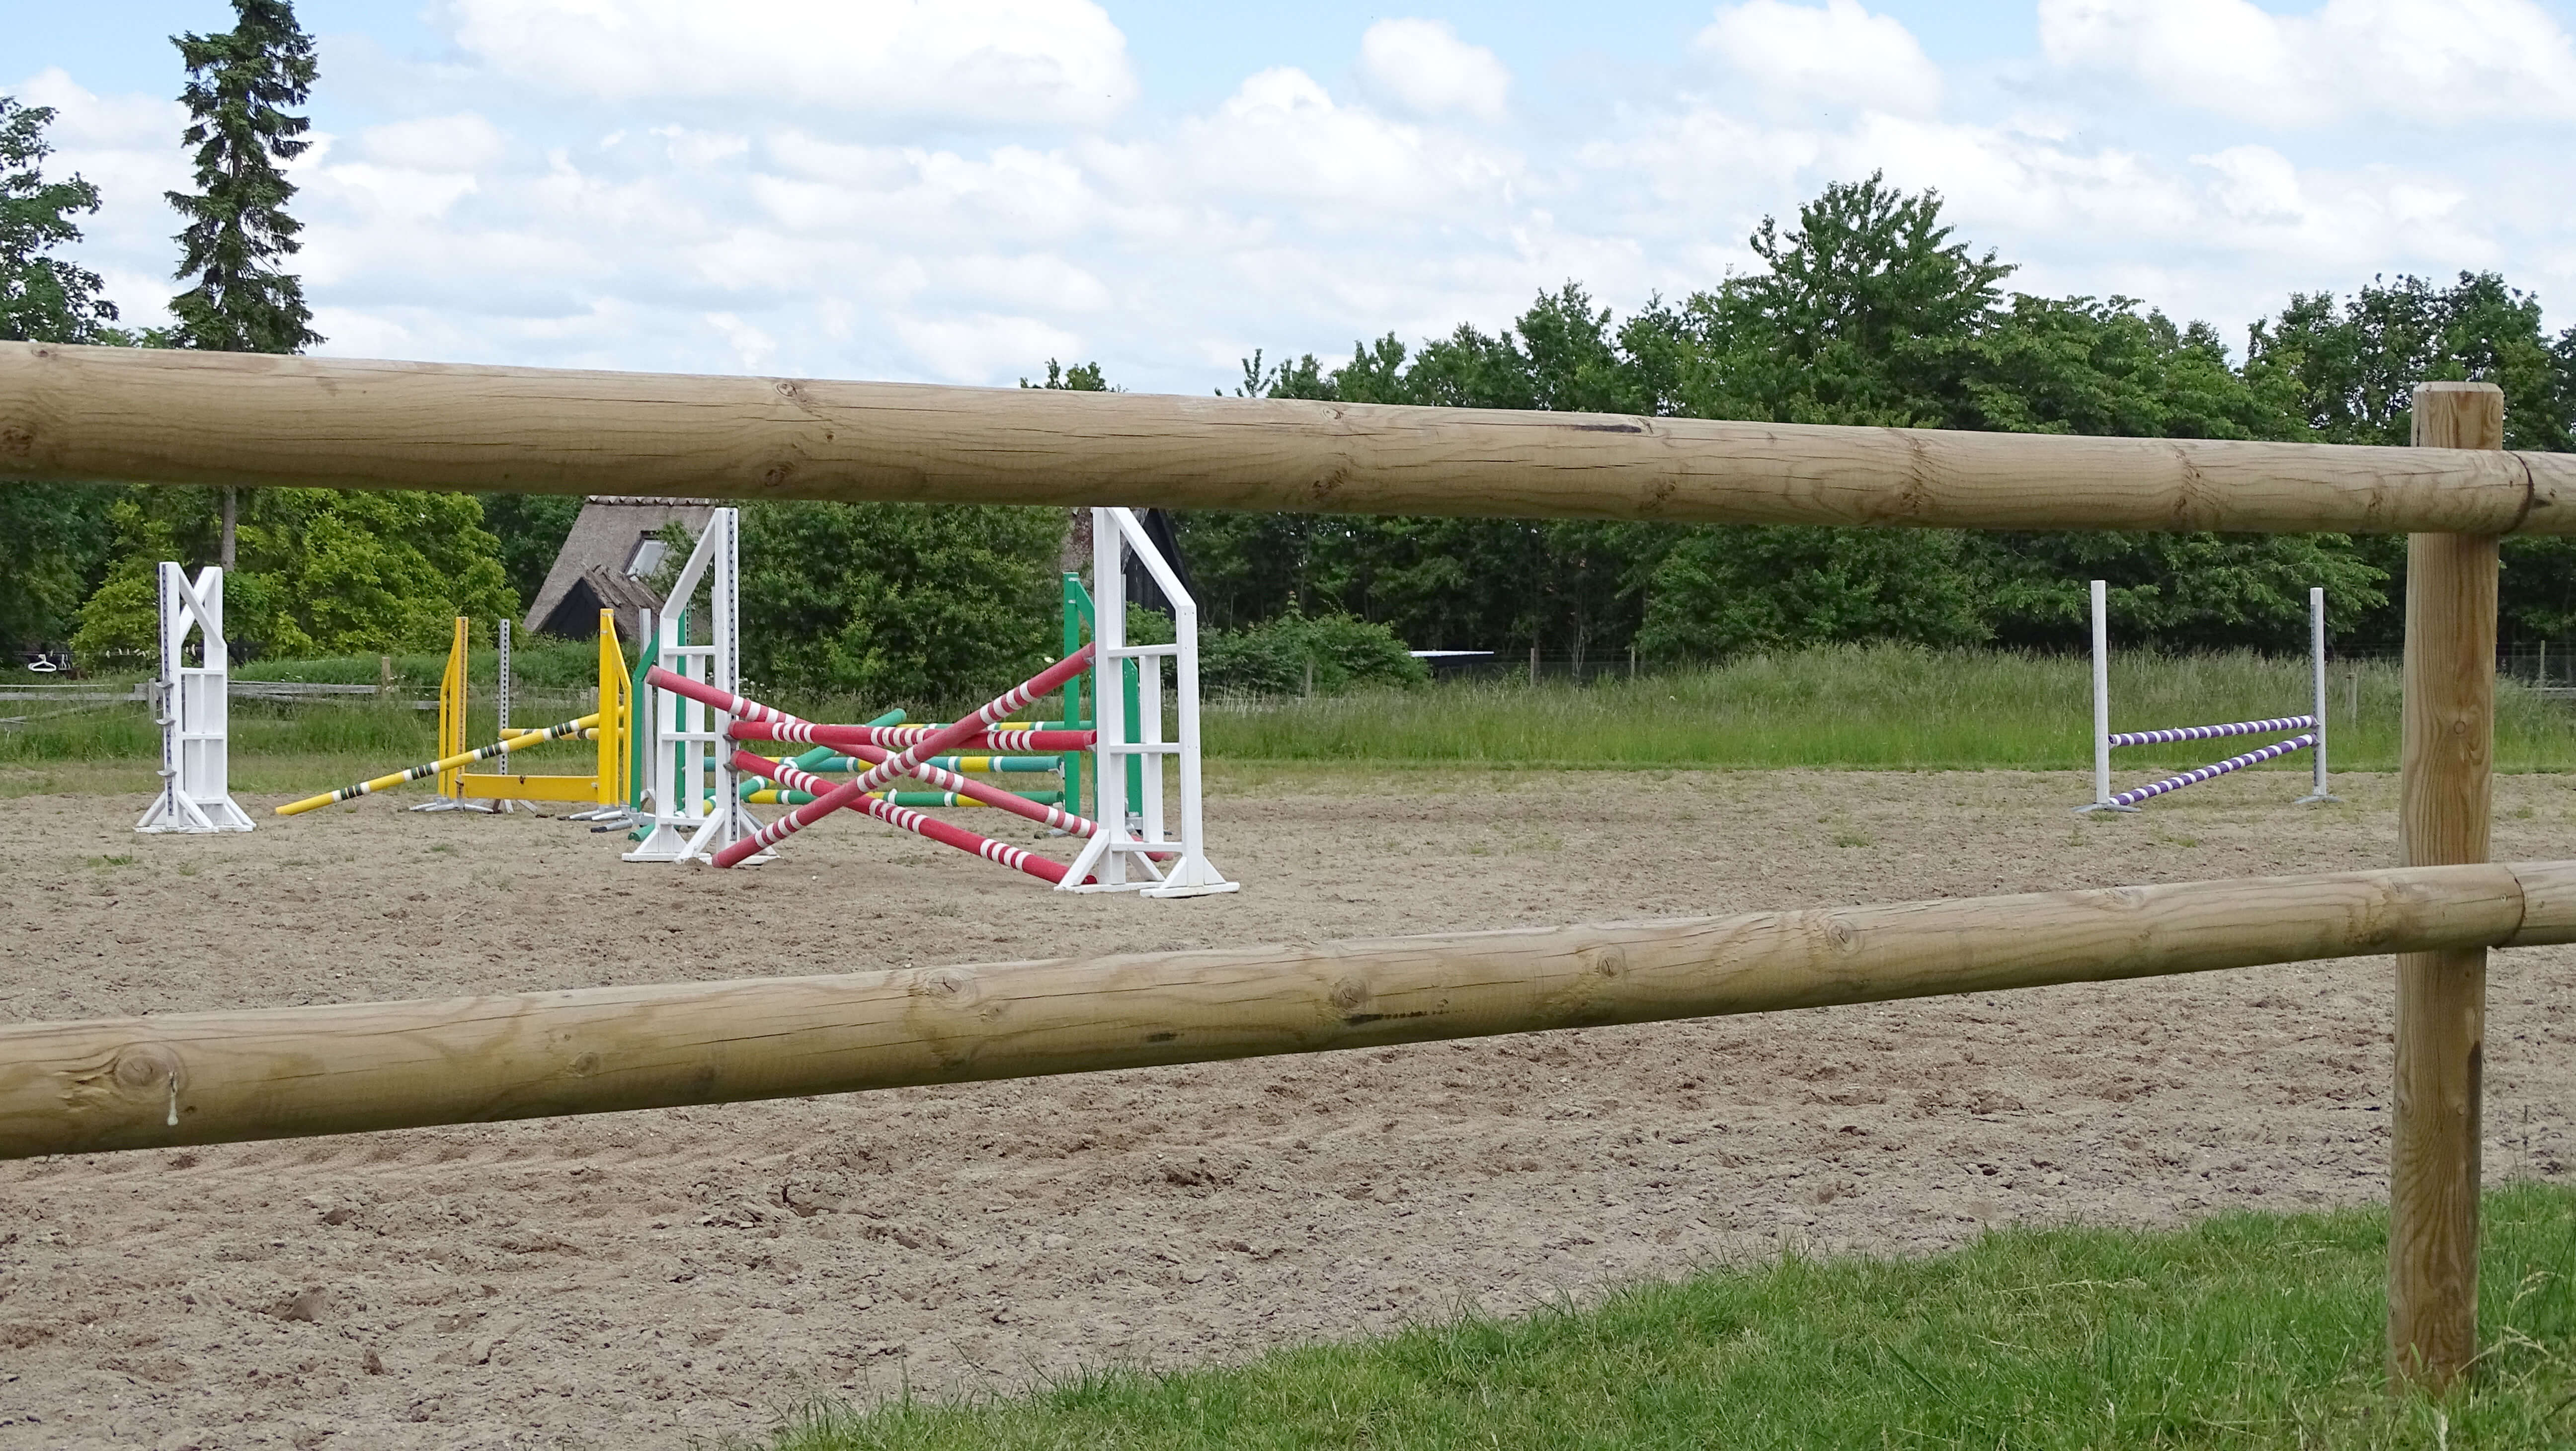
point(1136, 849)
point(196, 418)
point(940, 738)
point(193, 706)
point(2312, 726)
point(604, 790)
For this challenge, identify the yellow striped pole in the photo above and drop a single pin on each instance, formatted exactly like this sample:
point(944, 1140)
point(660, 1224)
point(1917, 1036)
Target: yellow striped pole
point(432, 768)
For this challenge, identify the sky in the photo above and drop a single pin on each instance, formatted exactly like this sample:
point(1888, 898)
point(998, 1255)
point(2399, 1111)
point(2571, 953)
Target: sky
point(957, 192)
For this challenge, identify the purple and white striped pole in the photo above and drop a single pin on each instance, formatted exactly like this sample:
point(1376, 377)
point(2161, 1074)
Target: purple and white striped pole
point(2213, 732)
point(2211, 772)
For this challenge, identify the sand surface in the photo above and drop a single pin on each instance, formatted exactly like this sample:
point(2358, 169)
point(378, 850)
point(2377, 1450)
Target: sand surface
point(687, 1276)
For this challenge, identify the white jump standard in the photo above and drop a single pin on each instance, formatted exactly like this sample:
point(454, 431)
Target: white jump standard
point(2312, 727)
point(696, 810)
point(1135, 854)
point(192, 705)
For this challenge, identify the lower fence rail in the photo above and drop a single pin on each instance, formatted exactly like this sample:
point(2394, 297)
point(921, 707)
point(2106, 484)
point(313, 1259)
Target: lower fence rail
point(201, 1078)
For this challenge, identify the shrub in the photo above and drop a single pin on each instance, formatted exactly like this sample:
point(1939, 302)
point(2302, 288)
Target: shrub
point(1272, 658)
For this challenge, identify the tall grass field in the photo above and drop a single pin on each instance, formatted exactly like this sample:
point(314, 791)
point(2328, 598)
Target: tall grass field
point(1861, 707)
point(1869, 707)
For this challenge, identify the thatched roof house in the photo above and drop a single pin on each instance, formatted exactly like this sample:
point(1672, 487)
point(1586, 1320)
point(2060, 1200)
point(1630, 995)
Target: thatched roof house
point(613, 549)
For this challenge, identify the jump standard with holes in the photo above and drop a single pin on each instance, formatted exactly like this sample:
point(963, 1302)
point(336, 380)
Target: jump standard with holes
point(189, 418)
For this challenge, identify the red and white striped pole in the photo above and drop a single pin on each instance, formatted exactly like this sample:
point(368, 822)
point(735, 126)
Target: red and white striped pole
point(895, 738)
point(1018, 859)
point(775, 724)
point(940, 742)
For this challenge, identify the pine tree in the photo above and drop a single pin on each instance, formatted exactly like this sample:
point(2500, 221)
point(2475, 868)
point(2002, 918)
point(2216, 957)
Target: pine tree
point(240, 82)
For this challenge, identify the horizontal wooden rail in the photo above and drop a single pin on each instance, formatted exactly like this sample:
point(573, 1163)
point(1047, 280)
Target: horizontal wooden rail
point(214, 1077)
point(184, 417)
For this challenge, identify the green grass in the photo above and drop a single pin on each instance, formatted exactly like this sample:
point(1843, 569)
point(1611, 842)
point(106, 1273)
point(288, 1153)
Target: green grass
point(2248, 1330)
point(318, 744)
point(1879, 706)
point(1861, 707)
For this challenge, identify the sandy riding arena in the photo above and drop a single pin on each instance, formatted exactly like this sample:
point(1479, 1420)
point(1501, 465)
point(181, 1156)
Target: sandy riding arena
point(687, 1276)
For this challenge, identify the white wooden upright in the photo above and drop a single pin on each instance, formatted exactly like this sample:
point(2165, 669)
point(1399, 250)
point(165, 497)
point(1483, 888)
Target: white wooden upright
point(695, 811)
point(192, 705)
point(1137, 854)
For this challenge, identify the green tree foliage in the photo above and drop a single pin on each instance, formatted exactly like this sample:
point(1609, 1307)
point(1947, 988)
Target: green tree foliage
point(1080, 378)
point(531, 529)
point(1870, 311)
point(916, 605)
point(1722, 592)
point(2354, 366)
point(43, 298)
point(58, 537)
point(240, 83)
point(57, 533)
point(319, 572)
point(1287, 655)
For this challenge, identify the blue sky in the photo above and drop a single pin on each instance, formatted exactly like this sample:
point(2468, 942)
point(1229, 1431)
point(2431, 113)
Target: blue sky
point(956, 191)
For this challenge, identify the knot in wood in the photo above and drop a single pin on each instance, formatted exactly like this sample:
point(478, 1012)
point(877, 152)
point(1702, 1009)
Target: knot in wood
point(1608, 961)
point(954, 986)
point(585, 1065)
point(1350, 994)
point(1840, 932)
point(17, 442)
point(145, 1068)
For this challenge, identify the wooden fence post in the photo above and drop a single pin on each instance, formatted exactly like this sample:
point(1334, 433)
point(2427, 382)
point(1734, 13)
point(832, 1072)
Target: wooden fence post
point(2445, 792)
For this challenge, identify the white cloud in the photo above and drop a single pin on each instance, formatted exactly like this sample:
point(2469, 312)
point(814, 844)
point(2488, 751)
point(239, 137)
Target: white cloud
point(696, 150)
point(460, 143)
point(2223, 235)
point(982, 347)
point(579, 202)
point(915, 193)
point(392, 193)
point(2422, 60)
point(752, 347)
point(974, 60)
point(1423, 67)
point(1837, 54)
point(1281, 136)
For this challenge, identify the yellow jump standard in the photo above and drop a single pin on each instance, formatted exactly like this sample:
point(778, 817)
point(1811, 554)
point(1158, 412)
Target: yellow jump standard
point(605, 786)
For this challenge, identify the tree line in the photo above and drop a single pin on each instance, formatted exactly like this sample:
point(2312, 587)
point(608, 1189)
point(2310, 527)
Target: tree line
point(1870, 311)
point(1866, 309)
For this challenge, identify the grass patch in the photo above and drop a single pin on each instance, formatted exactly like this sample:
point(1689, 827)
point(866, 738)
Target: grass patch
point(1869, 706)
point(2246, 1330)
point(1857, 707)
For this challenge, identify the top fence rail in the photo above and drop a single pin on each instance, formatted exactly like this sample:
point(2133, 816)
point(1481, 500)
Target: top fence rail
point(187, 417)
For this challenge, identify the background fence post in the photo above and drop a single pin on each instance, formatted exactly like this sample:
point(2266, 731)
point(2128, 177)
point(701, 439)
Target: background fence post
point(2445, 791)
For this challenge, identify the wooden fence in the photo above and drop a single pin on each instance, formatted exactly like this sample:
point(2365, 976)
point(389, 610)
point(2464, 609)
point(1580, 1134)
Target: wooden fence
point(200, 418)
